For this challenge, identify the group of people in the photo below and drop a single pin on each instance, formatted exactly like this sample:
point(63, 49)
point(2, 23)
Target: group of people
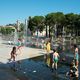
point(15, 49)
point(55, 55)
point(73, 72)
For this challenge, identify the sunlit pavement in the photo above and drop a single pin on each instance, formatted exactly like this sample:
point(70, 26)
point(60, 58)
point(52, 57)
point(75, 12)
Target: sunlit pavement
point(25, 53)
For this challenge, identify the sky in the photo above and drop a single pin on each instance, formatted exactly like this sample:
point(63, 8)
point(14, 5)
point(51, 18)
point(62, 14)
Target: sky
point(13, 10)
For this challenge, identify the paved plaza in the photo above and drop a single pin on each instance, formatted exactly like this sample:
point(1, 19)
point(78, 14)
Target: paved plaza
point(25, 53)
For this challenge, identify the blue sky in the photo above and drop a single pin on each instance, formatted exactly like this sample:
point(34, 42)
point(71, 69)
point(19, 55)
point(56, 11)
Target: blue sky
point(13, 10)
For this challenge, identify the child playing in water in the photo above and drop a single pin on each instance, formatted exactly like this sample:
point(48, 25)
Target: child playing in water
point(55, 59)
point(76, 56)
point(13, 54)
point(19, 46)
point(73, 72)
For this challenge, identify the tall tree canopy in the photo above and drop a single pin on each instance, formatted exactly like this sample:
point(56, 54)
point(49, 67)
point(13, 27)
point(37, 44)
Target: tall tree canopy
point(36, 23)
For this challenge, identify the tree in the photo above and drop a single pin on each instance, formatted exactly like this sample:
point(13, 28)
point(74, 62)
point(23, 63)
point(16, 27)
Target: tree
point(49, 22)
point(31, 25)
point(7, 30)
point(36, 23)
point(54, 19)
point(59, 22)
point(3, 30)
point(22, 26)
point(77, 25)
point(71, 19)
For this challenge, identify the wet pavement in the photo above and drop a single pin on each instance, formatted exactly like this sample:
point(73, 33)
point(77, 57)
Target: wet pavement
point(32, 69)
point(5, 73)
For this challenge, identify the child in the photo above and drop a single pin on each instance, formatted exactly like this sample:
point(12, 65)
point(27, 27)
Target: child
point(76, 57)
point(19, 45)
point(13, 54)
point(73, 73)
point(55, 59)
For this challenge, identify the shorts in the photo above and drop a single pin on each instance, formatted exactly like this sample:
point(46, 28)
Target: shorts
point(55, 60)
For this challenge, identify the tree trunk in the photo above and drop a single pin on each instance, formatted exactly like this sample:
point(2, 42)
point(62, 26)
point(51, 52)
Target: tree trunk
point(49, 32)
point(32, 33)
point(37, 33)
point(55, 31)
point(46, 31)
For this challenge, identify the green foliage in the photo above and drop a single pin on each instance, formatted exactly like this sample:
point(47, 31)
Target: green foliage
point(31, 25)
point(71, 18)
point(6, 30)
point(22, 27)
point(70, 21)
point(36, 23)
point(53, 19)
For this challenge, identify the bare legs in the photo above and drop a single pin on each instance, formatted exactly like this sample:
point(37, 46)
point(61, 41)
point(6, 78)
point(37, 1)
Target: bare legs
point(54, 65)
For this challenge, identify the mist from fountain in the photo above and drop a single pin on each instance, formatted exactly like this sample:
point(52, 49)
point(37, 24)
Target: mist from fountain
point(0, 40)
point(15, 37)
